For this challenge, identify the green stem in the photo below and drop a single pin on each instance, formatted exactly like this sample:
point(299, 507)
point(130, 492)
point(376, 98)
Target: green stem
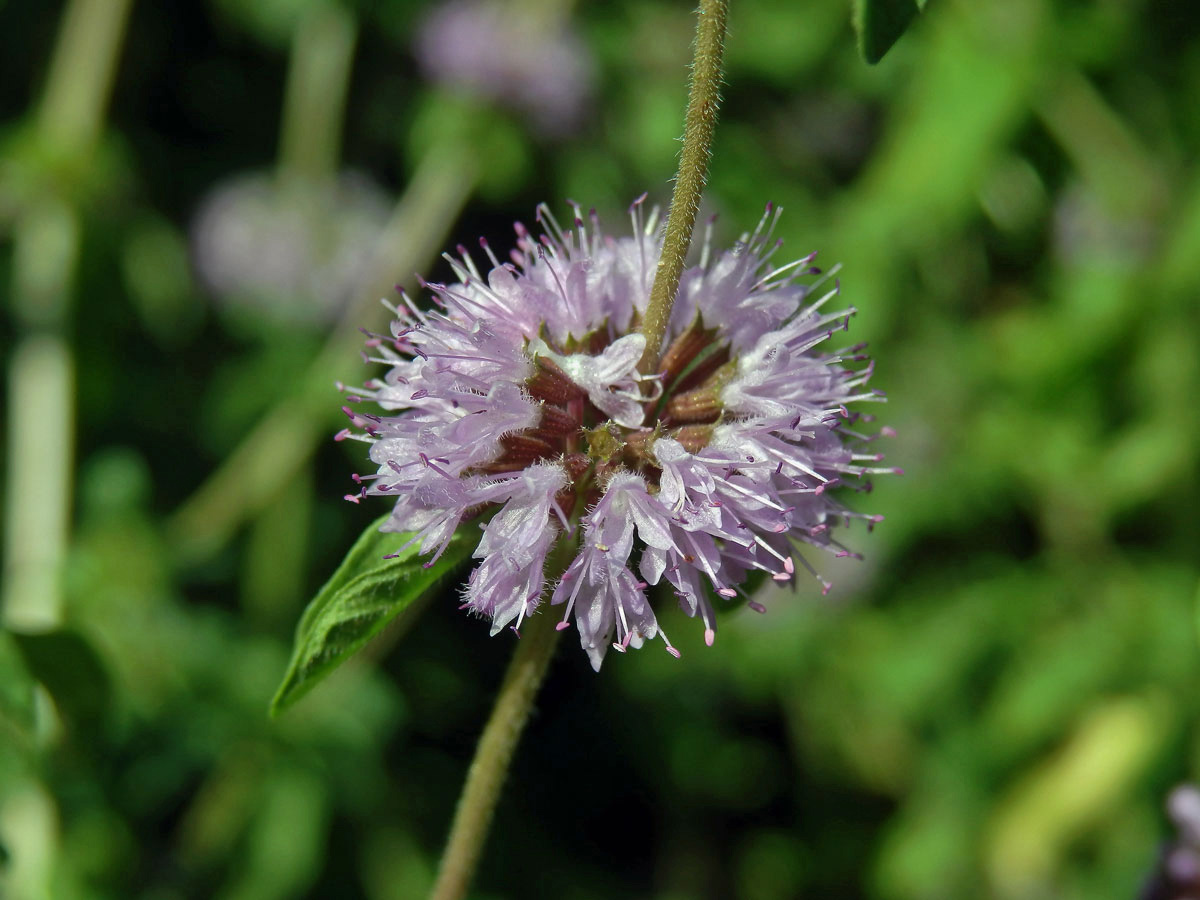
point(704, 99)
point(41, 425)
point(80, 80)
point(315, 97)
point(41, 371)
point(493, 755)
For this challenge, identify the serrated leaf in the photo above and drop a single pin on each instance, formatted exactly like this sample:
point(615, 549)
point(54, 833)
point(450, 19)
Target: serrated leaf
point(880, 23)
point(363, 595)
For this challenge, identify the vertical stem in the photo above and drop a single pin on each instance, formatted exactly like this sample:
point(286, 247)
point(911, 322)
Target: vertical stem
point(315, 97)
point(492, 756)
point(81, 74)
point(703, 102)
point(41, 372)
point(41, 380)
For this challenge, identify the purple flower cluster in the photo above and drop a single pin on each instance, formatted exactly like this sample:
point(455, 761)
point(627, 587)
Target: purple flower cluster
point(517, 402)
point(293, 249)
point(516, 54)
point(1177, 875)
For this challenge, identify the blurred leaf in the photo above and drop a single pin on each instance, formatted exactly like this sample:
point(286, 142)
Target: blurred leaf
point(71, 670)
point(364, 594)
point(286, 840)
point(447, 120)
point(880, 23)
point(16, 686)
point(276, 564)
point(271, 21)
point(1063, 795)
point(1198, 612)
point(154, 263)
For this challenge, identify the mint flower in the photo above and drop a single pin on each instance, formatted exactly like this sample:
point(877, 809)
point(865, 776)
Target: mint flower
point(517, 403)
point(1177, 873)
point(293, 250)
point(519, 55)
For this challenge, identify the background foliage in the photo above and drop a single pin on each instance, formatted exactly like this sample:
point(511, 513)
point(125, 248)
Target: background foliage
point(993, 704)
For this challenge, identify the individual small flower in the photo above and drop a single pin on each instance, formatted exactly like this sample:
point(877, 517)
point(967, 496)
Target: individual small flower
point(516, 402)
point(517, 54)
point(292, 249)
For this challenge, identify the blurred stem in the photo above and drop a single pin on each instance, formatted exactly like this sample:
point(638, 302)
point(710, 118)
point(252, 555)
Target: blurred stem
point(542, 16)
point(271, 455)
point(277, 553)
point(81, 74)
point(41, 438)
point(41, 373)
point(1104, 150)
point(315, 98)
point(493, 754)
point(704, 99)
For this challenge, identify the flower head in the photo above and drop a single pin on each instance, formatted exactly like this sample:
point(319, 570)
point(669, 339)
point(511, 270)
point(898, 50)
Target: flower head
point(518, 401)
point(513, 53)
point(292, 249)
point(1177, 873)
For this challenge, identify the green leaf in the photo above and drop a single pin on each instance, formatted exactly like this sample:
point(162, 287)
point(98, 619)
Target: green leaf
point(70, 669)
point(364, 595)
point(1198, 611)
point(880, 23)
point(16, 687)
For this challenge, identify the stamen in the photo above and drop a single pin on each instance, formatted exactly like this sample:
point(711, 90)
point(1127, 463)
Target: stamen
point(670, 649)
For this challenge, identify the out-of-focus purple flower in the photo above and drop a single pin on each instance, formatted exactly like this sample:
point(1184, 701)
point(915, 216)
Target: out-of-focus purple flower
point(520, 393)
point(524, 58)
point(293, 249)
point(1177, 876)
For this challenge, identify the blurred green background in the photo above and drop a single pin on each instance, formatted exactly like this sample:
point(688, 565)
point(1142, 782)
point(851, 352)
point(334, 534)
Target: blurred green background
point(200, 201)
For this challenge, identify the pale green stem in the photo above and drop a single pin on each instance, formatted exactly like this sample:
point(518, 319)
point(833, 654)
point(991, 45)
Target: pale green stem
point(315, 97)
point(41, 421)
point(282, 442)
point(275, 554)
point(81, 74)
point(41, 371)
point(493, 755)
point(704, 98)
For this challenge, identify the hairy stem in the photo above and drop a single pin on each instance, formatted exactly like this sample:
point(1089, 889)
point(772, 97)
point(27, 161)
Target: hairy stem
point(704, 99)
point(493, 755)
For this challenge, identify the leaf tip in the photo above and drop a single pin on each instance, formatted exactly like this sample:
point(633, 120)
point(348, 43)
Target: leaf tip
point(285, 697)
point(880, 23)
